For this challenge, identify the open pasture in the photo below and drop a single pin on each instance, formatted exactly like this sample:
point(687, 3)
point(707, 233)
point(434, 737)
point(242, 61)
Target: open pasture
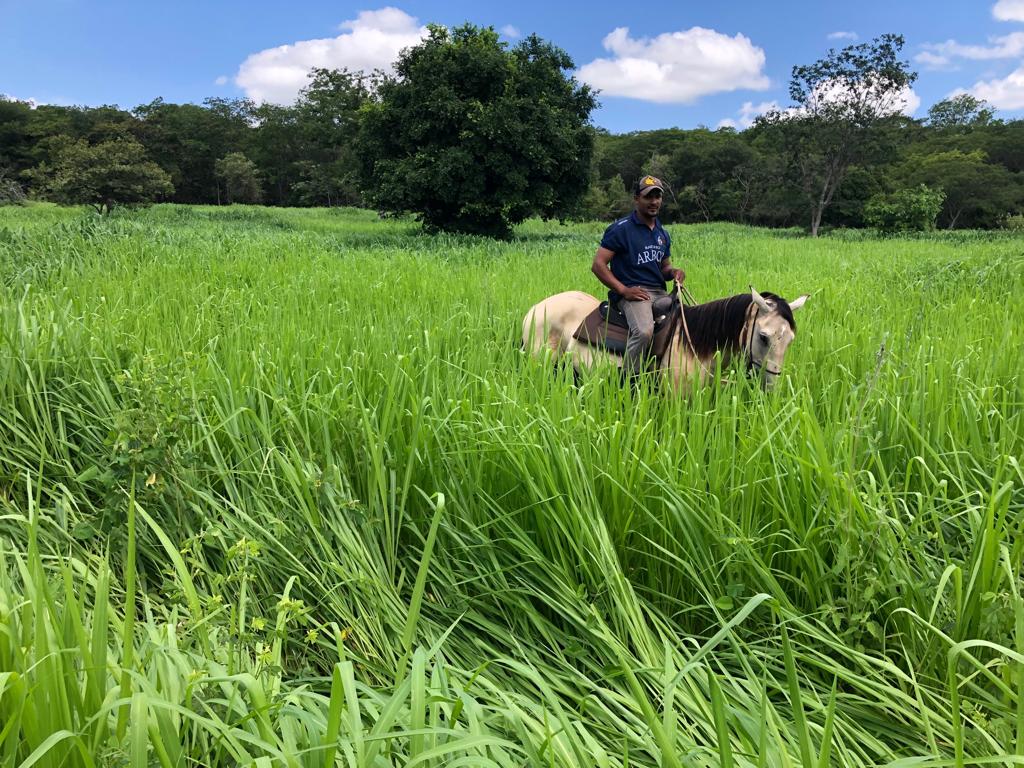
point(280, 488)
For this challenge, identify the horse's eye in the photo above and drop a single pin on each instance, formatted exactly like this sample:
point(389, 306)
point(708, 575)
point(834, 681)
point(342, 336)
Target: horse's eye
point(765, 338)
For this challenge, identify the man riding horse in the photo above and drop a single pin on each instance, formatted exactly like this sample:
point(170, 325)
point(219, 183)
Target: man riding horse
point(689, 342)
point(638, 250)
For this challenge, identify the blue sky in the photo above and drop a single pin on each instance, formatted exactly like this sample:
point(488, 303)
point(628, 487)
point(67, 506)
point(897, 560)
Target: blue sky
point(681, 63)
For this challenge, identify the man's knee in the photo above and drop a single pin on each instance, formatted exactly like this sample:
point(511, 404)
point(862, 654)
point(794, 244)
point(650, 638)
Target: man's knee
point(642, 333)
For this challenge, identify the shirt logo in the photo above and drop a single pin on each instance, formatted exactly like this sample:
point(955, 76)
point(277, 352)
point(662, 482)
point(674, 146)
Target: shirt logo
point(661, 240)
point(649, 255)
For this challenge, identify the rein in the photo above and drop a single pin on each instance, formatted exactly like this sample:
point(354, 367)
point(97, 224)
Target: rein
point(686, 331)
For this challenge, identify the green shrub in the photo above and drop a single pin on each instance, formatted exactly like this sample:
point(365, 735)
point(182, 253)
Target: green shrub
point(1016, 222)
point(906, 210)
point(11, 192)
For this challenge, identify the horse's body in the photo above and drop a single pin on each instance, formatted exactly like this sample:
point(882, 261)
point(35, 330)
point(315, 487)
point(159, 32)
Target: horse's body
point(758, 327)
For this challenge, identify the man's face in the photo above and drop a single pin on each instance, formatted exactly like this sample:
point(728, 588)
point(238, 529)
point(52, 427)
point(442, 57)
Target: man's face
point(648, 204)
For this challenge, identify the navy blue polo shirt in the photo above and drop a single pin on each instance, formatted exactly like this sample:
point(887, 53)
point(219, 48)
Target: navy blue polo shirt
point(638, 251)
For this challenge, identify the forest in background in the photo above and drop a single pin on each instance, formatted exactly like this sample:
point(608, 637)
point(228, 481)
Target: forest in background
point(961, 163)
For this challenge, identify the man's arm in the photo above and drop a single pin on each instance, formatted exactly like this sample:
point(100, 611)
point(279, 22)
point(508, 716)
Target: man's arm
point(671, 273)
point(600, 268)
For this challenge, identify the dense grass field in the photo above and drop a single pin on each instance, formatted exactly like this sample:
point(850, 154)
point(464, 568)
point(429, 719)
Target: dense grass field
point(279, 488)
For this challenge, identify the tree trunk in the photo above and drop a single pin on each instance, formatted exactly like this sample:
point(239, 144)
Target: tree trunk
point(816, 213)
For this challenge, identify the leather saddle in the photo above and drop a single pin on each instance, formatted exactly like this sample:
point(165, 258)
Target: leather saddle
point(606, 327)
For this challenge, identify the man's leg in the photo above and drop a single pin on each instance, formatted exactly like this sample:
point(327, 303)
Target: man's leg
point(641, 330)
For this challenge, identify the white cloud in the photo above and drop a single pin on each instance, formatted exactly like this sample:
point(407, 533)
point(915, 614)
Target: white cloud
point(934, 60)
point(842, 35)
point(1009, 10)
point(748, 113)
point(909, 102)
point(940, 55)
point(371, 41)
point(510, 32)
point(222, 80)
point(32, 103)
point(676, 67)
point(1004, 93)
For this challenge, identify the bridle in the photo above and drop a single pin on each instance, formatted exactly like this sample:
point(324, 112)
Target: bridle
point(747, 340)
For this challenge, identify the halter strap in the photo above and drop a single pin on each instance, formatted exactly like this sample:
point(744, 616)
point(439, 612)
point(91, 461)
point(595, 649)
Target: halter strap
point(747, 338)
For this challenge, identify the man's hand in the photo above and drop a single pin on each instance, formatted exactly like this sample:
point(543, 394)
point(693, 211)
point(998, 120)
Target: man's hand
point(678, 275)
point(635, 293)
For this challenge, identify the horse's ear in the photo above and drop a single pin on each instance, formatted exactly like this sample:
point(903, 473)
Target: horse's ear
point(760, 300)
point(798, 302)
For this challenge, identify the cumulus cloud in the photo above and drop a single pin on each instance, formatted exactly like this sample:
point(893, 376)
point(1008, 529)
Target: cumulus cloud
point(941, 55)
point(748, 113)
point(842, 35)
point(222, 80)
point(676, 67)
point(1009, 10)
point(934, 61)
point(32, 102)
point(1004, 93)
point(510, 32)
point(370, 41)
point(908, 102)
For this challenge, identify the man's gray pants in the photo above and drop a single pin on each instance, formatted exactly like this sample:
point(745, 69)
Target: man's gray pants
point(640, 317)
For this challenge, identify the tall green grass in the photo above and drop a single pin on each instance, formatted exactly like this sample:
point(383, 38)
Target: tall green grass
point(280, 488)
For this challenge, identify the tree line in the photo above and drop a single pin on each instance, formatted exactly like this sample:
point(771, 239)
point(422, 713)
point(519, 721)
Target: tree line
point(471, 134)
point(975, 165)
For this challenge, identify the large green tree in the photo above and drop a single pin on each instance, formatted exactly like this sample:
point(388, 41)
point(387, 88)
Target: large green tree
point(103, 175)
point(278, 150)
point(838, 103)
point(327, 115)
point(240, 178)
point(472, 136)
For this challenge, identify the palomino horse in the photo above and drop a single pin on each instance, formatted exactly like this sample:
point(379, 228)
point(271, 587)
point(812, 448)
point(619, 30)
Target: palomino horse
point(758, 327)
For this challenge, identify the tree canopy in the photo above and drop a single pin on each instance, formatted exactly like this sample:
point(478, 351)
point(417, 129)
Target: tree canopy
point(960, 111)
point(975, 189)
point(472, 136)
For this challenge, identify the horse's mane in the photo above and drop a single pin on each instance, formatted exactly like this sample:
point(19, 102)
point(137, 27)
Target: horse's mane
point(717, 324)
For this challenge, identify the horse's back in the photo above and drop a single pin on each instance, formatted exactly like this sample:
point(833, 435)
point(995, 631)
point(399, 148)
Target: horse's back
point(551, 322)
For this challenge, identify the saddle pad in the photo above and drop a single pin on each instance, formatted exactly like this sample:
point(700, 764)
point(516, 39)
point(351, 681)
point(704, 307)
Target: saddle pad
point(596, 331)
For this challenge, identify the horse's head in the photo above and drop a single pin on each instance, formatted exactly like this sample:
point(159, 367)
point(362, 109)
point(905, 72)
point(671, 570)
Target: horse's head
point(769, 332)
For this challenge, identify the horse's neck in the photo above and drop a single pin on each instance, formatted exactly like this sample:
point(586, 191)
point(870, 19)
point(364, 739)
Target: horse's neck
point(728, 341)
point(684, 360)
